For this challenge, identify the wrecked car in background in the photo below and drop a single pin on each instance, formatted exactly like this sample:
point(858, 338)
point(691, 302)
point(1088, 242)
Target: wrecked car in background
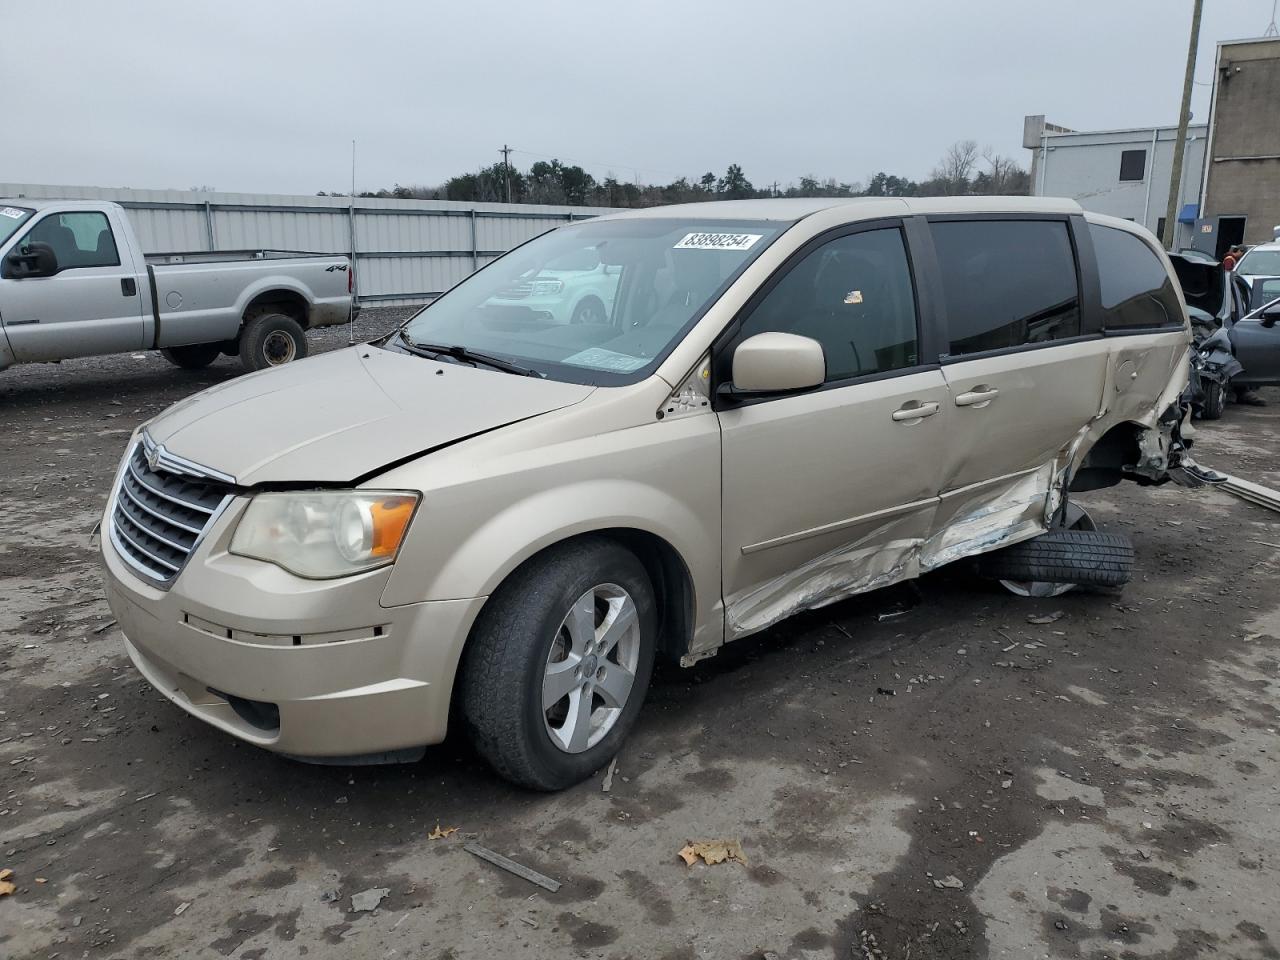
point(788, 403)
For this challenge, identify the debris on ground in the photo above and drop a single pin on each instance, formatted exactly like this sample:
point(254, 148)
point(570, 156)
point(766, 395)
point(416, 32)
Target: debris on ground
point(870, 946)
point(949, 882)
point(106, 626)
point(607, 785)
point(498, 860)
point(1046, 617)
point(713, 852)
point(6, 884)
point(181, 908)
point(438, 833)
point(891, 615)
point(332, 895)
point(369, 899)
point(886, 692)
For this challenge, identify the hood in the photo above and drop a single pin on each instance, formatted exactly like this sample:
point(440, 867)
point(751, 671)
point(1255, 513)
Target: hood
point(343, 415)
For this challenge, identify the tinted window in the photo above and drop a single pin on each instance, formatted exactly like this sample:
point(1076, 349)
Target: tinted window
point(1133, 164)
point(1007, 283)
point(854, 296)
point(80, 239)
point(1136, 288)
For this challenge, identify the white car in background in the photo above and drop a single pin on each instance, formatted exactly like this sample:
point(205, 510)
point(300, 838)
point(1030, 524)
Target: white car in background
point(577, 288)
point(1262, 260)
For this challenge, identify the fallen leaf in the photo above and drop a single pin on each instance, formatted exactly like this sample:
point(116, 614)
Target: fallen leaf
point(6, 888)
point(713, 851)
point(1046, 618)
point(6, 873)
point(437, 833)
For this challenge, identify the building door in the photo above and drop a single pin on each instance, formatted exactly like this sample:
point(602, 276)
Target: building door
point(1230, 233)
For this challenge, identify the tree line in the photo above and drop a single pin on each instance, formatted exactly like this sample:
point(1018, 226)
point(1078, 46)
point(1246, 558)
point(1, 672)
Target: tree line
point(962, 170)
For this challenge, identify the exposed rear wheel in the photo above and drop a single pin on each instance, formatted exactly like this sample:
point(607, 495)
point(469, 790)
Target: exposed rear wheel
point(1215, 398)
point(194, 356)
point(1065, 557)
point(557, 667)
point(271, 339)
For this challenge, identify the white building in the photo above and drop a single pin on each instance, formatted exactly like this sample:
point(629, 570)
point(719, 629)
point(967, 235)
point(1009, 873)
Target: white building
point(1123, 173)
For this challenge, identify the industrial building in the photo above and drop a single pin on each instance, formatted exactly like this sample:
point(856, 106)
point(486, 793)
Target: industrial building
point(1230, 186)
point(1123, 173)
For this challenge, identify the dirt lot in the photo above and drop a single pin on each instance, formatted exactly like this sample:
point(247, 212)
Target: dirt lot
point(955, 781)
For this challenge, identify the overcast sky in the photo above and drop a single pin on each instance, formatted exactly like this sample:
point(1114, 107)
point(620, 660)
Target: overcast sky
point(266, 96)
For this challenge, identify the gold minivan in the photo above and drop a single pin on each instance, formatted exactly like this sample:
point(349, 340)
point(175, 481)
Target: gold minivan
point(504, 511)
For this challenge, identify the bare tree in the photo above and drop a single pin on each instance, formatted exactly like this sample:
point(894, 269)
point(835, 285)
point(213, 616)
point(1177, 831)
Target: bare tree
point(956, 167)
point(1003, 175)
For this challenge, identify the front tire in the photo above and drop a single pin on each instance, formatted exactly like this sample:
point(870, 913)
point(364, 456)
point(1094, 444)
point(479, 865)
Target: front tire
point(1215, 398)
point(557, 667)
point(590, 310)
point(194, 356)
point(270, 339)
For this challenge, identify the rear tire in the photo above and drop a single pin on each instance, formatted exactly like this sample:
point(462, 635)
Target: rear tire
point(271, 339)
point(194, 356)
point(1215, 398)
point(1080, 557)
point(579, 621)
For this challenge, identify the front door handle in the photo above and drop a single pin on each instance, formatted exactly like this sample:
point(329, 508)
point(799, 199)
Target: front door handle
point(128, 286)
point(913, 411)
point(977, 397)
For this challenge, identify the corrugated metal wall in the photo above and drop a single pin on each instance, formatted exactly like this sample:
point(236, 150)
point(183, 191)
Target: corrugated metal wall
point(407, 251)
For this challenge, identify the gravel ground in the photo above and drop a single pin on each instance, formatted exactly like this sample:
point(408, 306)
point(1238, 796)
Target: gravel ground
point(951, 781)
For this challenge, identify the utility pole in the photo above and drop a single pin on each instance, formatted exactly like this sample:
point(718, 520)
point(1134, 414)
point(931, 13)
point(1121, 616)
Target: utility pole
point(506, 165)
point(1179, 146)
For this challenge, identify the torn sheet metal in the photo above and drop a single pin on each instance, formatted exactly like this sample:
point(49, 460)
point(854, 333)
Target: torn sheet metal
point(1253, 492)
point(880, 557)
point(991, 515)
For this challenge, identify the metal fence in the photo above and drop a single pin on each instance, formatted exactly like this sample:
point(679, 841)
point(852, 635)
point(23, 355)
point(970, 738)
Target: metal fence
point(405, 251)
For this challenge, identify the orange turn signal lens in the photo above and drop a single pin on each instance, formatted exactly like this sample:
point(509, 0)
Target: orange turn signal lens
point(391, 518)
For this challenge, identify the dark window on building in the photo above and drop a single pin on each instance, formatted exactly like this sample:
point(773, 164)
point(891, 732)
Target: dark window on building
point(1137, 290)
point(1160, 229)
point(1007, 283)
point(854, 296)
point(1133, 164)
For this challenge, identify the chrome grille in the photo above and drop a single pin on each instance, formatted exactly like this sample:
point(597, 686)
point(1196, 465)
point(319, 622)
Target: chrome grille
point(515, 291)
point(160, 513)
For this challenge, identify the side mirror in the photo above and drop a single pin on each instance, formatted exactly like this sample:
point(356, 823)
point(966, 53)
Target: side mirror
point(778, 363)
point(34, 259)
point(1271, 315)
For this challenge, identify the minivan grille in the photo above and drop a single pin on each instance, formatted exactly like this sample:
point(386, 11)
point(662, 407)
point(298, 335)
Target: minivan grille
point(159, 516)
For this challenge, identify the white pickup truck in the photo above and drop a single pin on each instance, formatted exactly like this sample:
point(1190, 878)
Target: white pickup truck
point(74, 282)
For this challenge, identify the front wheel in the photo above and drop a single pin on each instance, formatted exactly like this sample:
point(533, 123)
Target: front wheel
point(1215, 398)
point(193, 356)
point(557, 667)
point(271, 340)
point(590, 310)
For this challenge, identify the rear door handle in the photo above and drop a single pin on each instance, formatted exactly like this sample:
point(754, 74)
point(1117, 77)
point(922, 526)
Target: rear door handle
point(981, 395)
point(911, 412)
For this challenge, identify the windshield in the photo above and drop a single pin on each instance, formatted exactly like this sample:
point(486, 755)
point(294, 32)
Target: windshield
point(601, 302)
point(11, 218)
point(1260, 263)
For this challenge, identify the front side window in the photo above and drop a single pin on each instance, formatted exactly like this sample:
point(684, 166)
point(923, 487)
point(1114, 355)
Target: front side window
point(80, 239)
point(1008, 283)
point(1137, 290)
point(855, 297)
point(600, 302)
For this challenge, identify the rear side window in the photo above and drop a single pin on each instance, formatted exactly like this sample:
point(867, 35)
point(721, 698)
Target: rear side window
point(1007, 283)
point(80, 239)
point(1137, 291)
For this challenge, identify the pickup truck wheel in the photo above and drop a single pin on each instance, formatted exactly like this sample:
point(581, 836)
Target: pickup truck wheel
point(195, 356)
point(556, 669)
point(270, 340)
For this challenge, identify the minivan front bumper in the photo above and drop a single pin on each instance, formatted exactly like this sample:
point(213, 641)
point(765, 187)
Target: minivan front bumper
point(331, 673)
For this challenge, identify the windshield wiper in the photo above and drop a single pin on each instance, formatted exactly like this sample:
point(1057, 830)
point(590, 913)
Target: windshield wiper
point(465, 355)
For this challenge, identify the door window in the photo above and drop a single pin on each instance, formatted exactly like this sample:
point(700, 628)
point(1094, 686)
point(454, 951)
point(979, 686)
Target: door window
point(79, 239)
point(1007, 283)
point(1137, 291)
point(855, 297)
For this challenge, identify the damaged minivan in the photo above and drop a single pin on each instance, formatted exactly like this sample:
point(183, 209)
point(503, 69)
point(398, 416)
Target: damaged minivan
point(501, 518)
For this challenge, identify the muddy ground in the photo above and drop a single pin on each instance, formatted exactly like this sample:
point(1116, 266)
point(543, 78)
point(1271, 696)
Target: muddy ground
point(955, 781)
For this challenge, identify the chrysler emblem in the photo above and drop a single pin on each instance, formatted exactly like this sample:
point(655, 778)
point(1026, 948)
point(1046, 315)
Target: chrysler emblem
point(153, 457)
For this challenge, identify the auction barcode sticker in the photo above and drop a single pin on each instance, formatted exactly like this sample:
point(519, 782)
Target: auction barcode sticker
point(718, 241)
point(13, 212)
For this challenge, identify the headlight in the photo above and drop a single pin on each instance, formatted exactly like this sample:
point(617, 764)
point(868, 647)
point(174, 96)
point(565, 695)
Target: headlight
point(546, 288)
point(325, 533)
